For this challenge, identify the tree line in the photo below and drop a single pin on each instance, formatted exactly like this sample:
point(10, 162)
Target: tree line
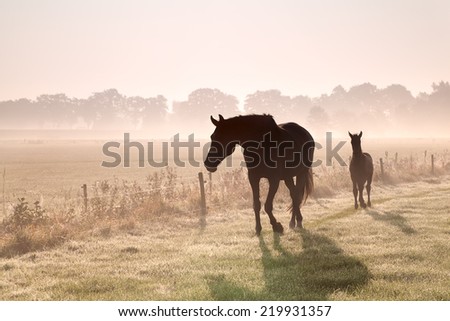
point(382, 111)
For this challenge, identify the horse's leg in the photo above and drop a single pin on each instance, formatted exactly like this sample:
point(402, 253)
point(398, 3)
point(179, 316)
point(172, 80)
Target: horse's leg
point(368, 188)
point(361, 198)
point(268, 206)
point(254, 183)
point(291, 186)
point(300, 190)
point(355, 194)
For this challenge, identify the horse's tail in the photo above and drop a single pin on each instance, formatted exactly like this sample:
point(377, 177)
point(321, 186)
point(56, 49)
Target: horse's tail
point(309, 184)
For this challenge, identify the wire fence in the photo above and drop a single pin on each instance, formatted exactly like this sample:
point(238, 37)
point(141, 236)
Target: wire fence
point(190, 194)
point(193, 195)
point(168, 185)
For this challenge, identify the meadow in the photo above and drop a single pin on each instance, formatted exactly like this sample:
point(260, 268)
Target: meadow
point(141, 236)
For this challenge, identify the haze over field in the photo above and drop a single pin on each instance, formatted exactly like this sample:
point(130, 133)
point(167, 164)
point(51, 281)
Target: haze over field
point(325, 64)
point(388, 112)
point(146, 48)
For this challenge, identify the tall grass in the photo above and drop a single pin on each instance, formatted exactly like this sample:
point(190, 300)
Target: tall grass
point(115, 205)
point(112, 205)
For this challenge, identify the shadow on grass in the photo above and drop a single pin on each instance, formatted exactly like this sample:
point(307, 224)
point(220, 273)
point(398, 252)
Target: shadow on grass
point(394, 219)
point(321, 269)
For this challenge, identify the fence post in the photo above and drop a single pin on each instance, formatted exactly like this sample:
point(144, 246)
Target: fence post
point(382, 168)
point(210, 183)
point(396, 158)
point(432, 164)
point(4, 204)
point(202, 200)
point(84, 187)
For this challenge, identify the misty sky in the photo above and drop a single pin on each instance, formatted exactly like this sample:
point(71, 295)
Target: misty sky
point(150, 47)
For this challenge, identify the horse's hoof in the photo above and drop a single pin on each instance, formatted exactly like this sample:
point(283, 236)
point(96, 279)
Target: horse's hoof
point(369, 204)
point(278, 228)
point(363, 205)
point(356, 206)
point(292, 224)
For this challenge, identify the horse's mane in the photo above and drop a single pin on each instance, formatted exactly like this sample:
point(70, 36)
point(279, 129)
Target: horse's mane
point(265, 119)
point(254, 116)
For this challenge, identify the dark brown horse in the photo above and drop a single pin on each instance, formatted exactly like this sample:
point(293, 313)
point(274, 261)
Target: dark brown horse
point(361, 171)
point(275, 152)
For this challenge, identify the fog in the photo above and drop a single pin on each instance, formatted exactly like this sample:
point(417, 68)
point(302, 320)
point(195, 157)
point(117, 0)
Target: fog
point(379, 112)
point(98, 69)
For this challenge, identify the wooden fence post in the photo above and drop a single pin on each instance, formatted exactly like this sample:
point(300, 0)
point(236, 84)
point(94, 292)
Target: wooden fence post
point(432, 164)
point(202, 200)
point(210, 183)
point(382, 168)
point(4, 203)
point(84, 187)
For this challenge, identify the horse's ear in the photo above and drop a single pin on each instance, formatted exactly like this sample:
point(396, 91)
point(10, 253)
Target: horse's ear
point(360, 134)
point(351, 136)
point(221, 117)
point(215, 122)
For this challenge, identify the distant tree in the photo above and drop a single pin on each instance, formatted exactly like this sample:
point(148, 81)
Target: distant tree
point(56, 111)
point(397, 103)
point(441, 95)
point(134, 109)
point(143, 113)
point(209, 101)
point(363, 96)
point(338, 99)
point(362, 106)
point(104, 109)
point(269, 102)
point(318, 120)
point(395, 95)
point(391, 110)
point(193, 115)
point(339, 92)
point(435, 108)
point(154, 111)
point(300, 107)
point(19, 114)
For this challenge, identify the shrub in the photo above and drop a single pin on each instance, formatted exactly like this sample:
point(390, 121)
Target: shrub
point(24, 215)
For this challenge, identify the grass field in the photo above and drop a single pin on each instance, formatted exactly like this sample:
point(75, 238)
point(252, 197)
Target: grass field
point(396, 250)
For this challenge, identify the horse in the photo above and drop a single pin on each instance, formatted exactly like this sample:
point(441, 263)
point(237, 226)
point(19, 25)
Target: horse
point(361, 171)
point(271, 151)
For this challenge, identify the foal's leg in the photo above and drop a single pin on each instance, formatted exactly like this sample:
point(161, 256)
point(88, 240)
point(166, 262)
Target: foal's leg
point(355, 194)
point(268, 206)
point(361, 198)
point(368, 188)
point(291, 186)
point(254, 183)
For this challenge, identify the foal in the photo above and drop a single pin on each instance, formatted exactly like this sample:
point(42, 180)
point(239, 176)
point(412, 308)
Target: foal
point(361, 171)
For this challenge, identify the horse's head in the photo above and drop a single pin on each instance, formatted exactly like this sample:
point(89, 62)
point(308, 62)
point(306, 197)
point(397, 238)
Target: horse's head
point(222, 144)
point(356, 141)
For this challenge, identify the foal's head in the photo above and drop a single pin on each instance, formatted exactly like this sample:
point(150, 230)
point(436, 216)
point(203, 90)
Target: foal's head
point(356, 142)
